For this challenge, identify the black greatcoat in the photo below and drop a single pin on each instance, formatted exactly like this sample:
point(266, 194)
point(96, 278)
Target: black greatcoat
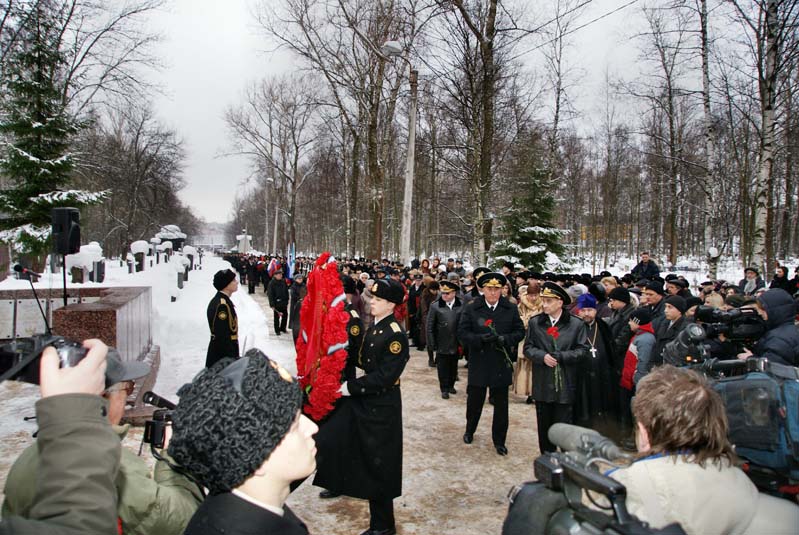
point(487, 363)
point(361, 451)
point(570, 346)
point(224, 326)
point(227, 514)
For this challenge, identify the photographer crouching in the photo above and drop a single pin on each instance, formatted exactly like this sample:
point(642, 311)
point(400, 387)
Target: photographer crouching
point(685, 469)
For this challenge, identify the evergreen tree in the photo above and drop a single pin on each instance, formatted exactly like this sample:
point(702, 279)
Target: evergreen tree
point(527, 231)
point(35, 132)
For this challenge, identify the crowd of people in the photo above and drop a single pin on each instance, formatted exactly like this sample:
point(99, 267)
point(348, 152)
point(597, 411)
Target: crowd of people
point(585, 349)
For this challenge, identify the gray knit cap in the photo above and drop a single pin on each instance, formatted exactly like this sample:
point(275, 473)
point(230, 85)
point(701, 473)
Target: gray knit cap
point(231, 418)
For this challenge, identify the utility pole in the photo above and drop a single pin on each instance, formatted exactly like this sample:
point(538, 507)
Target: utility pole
point(407, 198)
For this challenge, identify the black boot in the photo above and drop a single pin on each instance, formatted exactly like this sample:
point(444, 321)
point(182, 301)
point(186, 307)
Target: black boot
point(431, 361)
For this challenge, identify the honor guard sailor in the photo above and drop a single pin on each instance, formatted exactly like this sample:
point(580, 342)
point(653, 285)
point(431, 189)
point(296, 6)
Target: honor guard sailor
point(222, 319)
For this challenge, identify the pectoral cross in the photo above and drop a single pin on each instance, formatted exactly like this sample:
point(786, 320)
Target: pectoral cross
point(593, 352)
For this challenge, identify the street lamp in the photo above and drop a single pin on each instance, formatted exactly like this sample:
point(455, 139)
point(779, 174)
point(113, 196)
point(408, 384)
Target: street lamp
point(394, 49)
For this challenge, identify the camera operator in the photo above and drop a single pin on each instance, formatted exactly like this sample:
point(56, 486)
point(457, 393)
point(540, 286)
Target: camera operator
point(74, 490)
point(685, 468)
point(162, 503)
point(780, 344)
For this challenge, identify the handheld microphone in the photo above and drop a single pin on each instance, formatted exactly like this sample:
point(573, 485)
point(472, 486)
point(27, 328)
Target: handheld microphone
point(25, 271)
point(155, 400)
point(575, 438)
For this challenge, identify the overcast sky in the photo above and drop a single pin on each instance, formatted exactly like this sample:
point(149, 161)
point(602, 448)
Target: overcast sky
point(212, 49)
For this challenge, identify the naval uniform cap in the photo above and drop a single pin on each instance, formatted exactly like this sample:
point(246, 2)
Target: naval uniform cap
point(448, 286)
point(388, 289)
point(492, 279)
point(554, 291)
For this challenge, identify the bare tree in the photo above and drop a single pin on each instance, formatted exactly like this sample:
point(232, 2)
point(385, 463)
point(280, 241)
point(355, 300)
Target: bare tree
point(275, 126)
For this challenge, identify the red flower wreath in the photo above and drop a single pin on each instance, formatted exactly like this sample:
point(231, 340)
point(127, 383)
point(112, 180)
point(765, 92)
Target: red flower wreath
point(322, 344)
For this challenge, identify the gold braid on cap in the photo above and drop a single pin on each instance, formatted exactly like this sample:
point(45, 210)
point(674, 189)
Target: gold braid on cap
point(492, 283)
point(549, 293)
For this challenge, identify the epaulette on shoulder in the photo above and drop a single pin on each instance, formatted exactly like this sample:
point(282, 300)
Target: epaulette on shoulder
point(222, 301)
point(395, 327)
point(354, 314)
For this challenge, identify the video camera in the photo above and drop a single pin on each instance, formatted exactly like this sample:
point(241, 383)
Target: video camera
point(739, 324)
point(155, 428)
point(553, 504)
point(19, 359)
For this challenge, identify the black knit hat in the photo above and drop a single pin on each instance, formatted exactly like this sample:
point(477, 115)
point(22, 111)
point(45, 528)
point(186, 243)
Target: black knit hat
point(231, 418)
point(655, 286)
point(620, 294)
point(222, 278)
point(642, 314)
point(677, 302)
point(388, 289)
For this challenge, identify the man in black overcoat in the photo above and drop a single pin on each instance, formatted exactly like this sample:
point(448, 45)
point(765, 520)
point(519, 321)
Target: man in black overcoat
point(556, 341)
point(364, 458)
point(442, 335)
point(490, 326)
point(278, 293)
point(222, 320)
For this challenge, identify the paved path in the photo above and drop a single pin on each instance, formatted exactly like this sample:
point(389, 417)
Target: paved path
point(448, 487)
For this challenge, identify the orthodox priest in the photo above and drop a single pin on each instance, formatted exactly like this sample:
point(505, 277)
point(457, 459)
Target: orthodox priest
point(596, 394)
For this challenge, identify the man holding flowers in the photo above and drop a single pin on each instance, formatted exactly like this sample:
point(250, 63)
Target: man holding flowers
point(490, 327)
point(555, 342)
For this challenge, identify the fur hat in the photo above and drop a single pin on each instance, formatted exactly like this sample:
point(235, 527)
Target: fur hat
point(620, 294)
point(597, 289)
point(231, 418)
point(222, 278)
point(576, 291)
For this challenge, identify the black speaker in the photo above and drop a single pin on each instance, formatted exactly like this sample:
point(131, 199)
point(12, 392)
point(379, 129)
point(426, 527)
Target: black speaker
point(66, 230)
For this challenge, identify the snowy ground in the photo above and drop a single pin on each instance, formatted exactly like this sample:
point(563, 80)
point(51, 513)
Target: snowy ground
point(180, 328)
point(448, 487)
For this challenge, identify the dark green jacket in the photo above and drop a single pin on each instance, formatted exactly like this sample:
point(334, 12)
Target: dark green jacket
point(74, 486)
point(161, 503)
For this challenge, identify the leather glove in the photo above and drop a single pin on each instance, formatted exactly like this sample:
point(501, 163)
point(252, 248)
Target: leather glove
point(488, 338)
point(501, 340)
point(344, 390)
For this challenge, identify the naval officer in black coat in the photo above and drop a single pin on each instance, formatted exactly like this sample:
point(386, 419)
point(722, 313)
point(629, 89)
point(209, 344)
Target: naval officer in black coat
point(490, 327)
point(222, 319)
point(366, 459)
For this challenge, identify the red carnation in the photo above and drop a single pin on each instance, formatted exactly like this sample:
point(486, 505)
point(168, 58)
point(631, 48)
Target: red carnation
point(553, 332)
point(488, 322)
